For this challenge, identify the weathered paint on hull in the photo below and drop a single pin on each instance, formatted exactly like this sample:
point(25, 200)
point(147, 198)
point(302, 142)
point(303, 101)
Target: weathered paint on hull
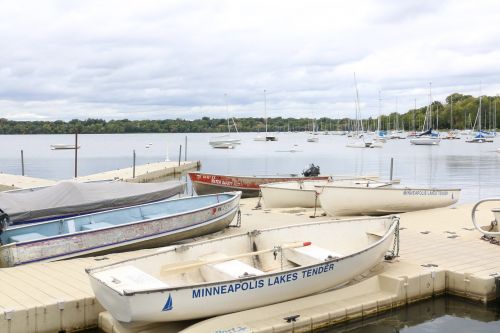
point(192, 302)
point(150, 233)
point(213, 226)
point(338, 201)
point(204, 183)
point(203, 189)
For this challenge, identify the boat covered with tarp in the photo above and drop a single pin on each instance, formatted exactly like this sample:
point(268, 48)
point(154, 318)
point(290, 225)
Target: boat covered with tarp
point(69, 198)
point(123, 229)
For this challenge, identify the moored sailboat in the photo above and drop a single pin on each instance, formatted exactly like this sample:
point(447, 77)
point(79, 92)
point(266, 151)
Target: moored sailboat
point(427, 137)
point(358, 139)
point(267, 136)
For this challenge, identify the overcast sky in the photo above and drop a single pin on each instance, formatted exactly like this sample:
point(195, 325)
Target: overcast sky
point(178, 59)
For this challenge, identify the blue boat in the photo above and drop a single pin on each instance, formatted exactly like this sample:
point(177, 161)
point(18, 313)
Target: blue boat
point(136, 227)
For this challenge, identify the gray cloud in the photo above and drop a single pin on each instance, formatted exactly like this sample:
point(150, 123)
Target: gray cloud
point(177, 59)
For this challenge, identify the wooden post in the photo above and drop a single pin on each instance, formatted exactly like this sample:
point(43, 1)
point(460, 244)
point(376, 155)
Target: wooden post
point(185, 148)
point(392, 168)
point(76, 153)
point(22, 162)
point(180, 153)
point(133, 164)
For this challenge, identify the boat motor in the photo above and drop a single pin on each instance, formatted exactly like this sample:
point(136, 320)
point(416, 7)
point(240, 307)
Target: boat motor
point(311, 171)
point(4, 221)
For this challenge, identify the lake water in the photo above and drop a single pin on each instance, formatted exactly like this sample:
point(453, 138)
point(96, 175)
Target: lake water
point(439, 315)
point(454, 163)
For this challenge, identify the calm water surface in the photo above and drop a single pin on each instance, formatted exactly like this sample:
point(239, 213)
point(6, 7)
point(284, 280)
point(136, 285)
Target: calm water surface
point(440, 315)
point(471, 167)
point(454, 163)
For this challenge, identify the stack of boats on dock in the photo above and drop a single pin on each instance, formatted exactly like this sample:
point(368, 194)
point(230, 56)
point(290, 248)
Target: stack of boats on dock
point(341, 196)
point(72, 220)
point(219, 275)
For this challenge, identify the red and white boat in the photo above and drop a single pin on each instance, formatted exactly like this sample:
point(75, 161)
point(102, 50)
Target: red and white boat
point(209, 183)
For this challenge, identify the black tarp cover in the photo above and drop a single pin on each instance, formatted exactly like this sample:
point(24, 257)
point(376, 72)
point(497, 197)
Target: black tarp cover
point(72, 198)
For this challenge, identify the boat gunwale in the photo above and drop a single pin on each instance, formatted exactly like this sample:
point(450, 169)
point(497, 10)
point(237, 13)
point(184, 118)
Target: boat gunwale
point(276, 184)
point(389, 188)
point(284, 176)
point(234, 195)
point(390, 230)
point(89, 250)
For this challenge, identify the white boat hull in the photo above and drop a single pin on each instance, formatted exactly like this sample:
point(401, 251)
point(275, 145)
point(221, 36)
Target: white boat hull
point(157, 303)
point(421, 141)
point(303, 193)
point(359, 144)
point(339, 201)
point(291, 194)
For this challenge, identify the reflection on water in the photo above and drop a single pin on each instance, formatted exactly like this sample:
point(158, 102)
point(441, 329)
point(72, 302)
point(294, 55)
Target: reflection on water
point(443, 314)
point(454, 163)
point(472, 167)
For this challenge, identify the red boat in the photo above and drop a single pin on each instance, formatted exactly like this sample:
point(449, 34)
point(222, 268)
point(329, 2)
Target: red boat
point(208, 183)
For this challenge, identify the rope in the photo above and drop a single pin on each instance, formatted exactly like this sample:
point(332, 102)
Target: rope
point(394, 253)
point(238, 220)
point(259, 205)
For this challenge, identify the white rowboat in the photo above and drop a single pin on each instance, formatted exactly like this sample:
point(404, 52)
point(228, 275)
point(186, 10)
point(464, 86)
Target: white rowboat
point(240, 272)
point(339, 200)
point(425, 141)
point(304, 193)
point(62, 146)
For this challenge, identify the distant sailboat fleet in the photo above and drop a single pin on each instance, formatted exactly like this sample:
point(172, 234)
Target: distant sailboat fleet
point(374, 133)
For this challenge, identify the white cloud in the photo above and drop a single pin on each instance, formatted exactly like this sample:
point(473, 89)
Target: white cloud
point(169, 59)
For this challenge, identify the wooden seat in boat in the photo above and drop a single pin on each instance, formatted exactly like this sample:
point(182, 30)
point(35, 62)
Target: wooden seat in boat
point(377, 233)
point(25, 237)
point(310, 255)
point(130, 278)
point(226, 270)
point(98, 225)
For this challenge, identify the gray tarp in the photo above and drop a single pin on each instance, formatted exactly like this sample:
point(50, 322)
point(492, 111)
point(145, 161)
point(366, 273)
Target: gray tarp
point(71, 198)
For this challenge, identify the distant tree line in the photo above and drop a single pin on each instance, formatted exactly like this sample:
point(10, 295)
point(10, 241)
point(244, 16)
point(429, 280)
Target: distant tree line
point(459, 111)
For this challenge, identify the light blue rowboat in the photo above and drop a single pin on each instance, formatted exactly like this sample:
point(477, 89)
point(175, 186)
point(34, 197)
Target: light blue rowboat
point(130, 228)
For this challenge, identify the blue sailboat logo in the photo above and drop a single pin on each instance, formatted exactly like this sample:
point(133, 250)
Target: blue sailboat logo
point(169, 305)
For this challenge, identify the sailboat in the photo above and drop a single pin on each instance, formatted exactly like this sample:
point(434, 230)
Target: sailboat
point(358, 140)
point(314, 135)
point(427, 137)
point(267, 137)
point(225, 141)
point(380, 136)
point(452, 134)
point(479, 136)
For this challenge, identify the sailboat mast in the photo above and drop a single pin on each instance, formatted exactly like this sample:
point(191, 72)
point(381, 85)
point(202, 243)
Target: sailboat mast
point(451, 112)
point(358, 111)
point(430, 104)
point(479, 114)
point(379, 111)
point(227, 114)
point(265, 109)
point(414, 110)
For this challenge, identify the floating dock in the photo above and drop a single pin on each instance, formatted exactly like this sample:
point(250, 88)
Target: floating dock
point(13, 182)
point(440, 253)
point(142, 174)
